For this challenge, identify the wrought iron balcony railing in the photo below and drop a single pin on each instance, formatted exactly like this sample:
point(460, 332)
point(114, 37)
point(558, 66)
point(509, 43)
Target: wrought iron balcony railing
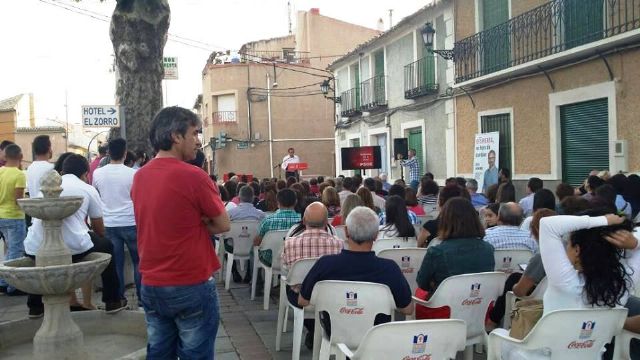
point(549, 29)
point(373, 93)
point(224, 117)
point(420, 78)
point(284, 56)
point(350, 102)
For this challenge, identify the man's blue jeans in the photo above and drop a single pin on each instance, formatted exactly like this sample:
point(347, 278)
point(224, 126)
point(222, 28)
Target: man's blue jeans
point(182, 321)
point(14, 231)
point(414, 184)
point(119, 236)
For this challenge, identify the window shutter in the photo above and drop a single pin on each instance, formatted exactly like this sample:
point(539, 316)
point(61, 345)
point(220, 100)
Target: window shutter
point(502, 124)
point(585, 139)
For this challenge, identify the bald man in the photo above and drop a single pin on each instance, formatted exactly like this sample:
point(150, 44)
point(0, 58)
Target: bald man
point(315, 241)
point(507, 234)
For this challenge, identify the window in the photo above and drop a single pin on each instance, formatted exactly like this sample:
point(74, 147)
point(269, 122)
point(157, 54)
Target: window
point(496, 55)
point(585, 139)
point(500, 123)
point(583, 21)
point(226, 109)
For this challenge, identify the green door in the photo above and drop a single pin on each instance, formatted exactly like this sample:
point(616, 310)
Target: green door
point(415, 142)
point(496, 42)
point(356, 83)
point(583, 22)
point(585, 139)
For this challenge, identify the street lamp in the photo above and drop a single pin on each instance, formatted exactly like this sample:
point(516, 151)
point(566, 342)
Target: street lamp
point(325, 87)
point(427, 37)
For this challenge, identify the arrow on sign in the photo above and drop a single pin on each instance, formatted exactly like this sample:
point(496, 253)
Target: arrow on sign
point(112, 111)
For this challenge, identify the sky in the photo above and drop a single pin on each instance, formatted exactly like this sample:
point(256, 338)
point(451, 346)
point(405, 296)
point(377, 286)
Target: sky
point(65, 58)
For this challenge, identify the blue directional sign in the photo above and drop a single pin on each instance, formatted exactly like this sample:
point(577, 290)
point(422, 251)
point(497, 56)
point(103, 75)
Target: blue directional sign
point(100, 116)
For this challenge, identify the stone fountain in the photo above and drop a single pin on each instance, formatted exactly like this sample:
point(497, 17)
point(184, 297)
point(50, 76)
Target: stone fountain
point(54, 276)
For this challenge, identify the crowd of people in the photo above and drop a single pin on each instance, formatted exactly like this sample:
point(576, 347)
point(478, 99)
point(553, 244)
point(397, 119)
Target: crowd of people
point(167, 211)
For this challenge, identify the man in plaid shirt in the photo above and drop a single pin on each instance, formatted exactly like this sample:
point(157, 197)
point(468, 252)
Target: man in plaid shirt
point(414, 169)
point(283, 219)
point(315, 241)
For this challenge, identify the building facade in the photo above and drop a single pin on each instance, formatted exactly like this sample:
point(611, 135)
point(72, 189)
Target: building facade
point(267, 98)
point(16, 111)
point(556, 79)
point(393, 87)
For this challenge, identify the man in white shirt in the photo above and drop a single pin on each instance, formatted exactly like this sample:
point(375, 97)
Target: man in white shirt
point(40, 166)
point(291, 158)
point(76, 234)
point(526, 203)
point(113, 181)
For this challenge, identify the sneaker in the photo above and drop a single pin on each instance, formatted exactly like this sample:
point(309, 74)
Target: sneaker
point(3, 290)
point(36, 313)
point(116, 306)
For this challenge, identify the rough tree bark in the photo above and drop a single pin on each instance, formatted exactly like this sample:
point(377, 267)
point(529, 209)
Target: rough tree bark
point(138, 33)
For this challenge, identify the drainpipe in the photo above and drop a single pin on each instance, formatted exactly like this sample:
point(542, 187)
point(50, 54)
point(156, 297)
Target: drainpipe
point(269, 117)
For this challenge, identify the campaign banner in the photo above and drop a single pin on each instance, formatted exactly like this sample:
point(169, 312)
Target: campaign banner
point(485, 159)
point(364, 157)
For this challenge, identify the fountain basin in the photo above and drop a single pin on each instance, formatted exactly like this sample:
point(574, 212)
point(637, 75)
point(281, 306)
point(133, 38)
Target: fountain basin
point(106, 336)
point(52, 208)
point(50, 280)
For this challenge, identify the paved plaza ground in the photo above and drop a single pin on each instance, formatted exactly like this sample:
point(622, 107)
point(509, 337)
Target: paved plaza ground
point(246, 330)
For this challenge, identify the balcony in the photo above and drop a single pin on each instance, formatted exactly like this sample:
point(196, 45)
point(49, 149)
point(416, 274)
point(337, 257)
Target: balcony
point(373, 93)
point(420, 78)
point(283, 56)
point(224, 117)
point(550, 29)
point(350, 102)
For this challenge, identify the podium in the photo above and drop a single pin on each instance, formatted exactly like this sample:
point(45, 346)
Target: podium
point(297, 166)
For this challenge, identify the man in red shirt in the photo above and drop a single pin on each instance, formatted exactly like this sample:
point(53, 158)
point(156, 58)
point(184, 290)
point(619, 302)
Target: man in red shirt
point(177, 207)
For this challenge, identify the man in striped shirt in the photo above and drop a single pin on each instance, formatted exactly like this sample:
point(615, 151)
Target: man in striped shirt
point(283, 219)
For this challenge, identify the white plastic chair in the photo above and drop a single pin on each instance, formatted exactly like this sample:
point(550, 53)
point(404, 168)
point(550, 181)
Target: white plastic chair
point(243, 233)
point(574, 334)
point(438, 339)
point(409, 260)
point(296, 275)
point(340, 232)
point(468, 297)
point(623, 341)
point(510, 301)
point(508, 261)
point(272, 240)
point(394, 243)
point(352, 307)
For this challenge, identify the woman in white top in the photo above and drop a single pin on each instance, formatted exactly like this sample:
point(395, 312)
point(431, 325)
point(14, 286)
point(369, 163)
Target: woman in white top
point(397, 222)
point(598, 267)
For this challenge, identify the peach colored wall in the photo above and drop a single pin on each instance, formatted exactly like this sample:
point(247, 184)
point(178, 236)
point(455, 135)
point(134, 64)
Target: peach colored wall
point(529, 99)
point(7, 125)
point(292, 118)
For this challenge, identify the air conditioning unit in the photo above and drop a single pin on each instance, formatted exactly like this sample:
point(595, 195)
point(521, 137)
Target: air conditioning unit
point(620, 156)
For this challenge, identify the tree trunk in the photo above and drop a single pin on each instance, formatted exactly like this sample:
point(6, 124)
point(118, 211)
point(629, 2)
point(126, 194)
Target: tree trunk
point(138, 33)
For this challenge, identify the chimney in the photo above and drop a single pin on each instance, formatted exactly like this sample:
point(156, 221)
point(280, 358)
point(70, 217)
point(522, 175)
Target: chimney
point(32, 112)
point(380, 26)
point(315, 11)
